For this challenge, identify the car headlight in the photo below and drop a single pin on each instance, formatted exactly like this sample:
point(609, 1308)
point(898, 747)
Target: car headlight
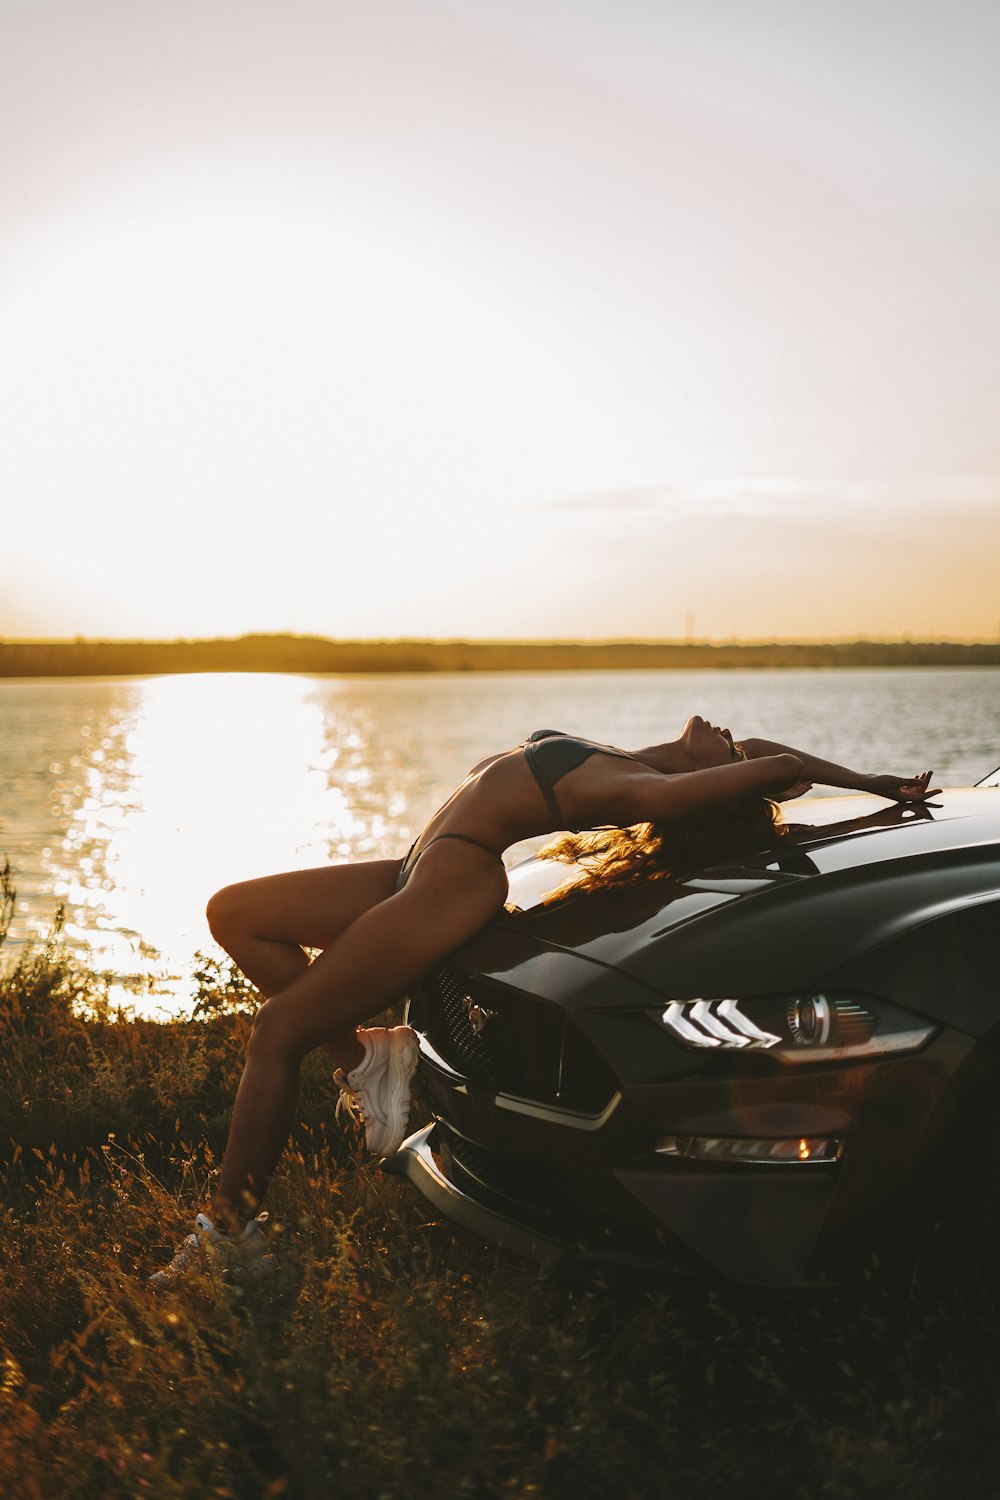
point(798, 1028)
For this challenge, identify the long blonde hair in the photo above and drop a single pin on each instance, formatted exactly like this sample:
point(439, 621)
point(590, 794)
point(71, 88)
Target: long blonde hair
point(615, 857)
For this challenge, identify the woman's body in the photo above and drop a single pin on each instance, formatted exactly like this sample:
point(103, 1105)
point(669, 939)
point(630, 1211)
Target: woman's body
point(381, 925)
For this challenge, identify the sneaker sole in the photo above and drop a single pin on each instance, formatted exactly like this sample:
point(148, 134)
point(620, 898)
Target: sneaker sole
point(391, 1133)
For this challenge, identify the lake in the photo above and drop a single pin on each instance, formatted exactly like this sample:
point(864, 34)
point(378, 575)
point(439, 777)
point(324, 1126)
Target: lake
point(129, 800)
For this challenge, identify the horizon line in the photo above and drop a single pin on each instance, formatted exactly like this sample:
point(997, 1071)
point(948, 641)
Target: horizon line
point(466, 640)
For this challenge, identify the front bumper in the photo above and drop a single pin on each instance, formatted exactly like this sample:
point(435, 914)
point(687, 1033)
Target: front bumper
point(416, 1161)
point(572, 1209)
point(419, 1160)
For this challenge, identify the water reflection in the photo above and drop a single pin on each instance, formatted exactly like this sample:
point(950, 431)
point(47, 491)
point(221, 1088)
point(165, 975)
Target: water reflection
point(174, 786)
point(193, 804)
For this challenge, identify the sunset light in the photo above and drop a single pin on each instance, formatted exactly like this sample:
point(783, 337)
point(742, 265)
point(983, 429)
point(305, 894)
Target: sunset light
point(459, 319)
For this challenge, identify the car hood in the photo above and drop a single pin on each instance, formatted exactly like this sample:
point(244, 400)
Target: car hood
point(846, 873)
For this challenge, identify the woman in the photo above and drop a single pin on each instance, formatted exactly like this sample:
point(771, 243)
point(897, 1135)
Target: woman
point(381, 925)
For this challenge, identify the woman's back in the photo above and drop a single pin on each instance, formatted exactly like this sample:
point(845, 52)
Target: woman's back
point(512, 796)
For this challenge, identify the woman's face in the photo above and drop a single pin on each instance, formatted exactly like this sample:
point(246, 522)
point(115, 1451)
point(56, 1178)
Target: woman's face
point(707, 745)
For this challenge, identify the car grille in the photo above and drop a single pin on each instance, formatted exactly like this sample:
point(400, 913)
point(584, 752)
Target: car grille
point(512, 1043)
point(524, 1183)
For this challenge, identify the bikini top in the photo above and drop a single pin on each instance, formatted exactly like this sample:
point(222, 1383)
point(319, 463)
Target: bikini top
point(551, 755)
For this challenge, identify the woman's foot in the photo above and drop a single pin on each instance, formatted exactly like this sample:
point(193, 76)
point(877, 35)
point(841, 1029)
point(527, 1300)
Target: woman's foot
point(244, 1257)
point(380, 1085)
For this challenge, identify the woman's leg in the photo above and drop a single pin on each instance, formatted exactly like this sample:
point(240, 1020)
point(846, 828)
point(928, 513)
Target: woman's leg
point(265, 924)
point(370, 964)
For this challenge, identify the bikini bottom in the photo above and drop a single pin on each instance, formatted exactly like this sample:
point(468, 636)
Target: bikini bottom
point(407, 867)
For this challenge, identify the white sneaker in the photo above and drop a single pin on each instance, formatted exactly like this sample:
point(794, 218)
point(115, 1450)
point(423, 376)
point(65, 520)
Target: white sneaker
point(380, 1085)
point(244, 1257)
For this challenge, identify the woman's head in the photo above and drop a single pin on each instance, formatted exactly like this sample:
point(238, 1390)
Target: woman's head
point(704, 744)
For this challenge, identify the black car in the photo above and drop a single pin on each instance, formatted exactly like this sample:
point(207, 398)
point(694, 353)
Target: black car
point(754, 1069)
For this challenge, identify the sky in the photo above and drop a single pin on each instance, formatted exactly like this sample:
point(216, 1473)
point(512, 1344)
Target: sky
point(500, 318)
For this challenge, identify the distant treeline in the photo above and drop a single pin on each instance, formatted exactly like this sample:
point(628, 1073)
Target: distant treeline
point(312, 654)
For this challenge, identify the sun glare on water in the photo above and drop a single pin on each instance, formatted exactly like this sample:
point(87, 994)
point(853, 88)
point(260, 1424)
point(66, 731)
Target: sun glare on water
point(195, 809)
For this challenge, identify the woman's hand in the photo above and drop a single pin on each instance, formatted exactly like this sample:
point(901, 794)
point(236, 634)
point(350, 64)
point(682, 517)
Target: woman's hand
point(901, 788)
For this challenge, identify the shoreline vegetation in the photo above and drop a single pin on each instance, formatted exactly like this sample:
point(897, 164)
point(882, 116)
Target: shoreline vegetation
point(318, 655)
point(392, 1355)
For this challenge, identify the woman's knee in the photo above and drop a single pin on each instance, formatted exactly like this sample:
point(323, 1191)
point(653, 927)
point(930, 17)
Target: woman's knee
point(228, 912)
point(281, 1033)
point(272, 1035)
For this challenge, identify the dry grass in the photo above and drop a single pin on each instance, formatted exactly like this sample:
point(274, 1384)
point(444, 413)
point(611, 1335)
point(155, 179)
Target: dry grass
point(392, 1358)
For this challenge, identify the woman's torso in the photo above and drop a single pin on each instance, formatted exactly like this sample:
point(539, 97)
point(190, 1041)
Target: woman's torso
point(503, 800)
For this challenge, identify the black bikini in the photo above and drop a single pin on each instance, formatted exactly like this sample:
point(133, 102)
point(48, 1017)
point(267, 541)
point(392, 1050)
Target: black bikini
point(406, 868)
point(550, 755)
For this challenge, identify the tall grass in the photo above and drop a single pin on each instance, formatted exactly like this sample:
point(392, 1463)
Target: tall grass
point(392, 1357)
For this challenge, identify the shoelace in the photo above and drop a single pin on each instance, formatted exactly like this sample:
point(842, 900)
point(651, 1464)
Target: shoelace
point(349, 1106)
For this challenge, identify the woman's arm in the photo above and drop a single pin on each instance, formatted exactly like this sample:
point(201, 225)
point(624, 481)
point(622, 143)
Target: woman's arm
point(827, 773)
point(655, 798)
